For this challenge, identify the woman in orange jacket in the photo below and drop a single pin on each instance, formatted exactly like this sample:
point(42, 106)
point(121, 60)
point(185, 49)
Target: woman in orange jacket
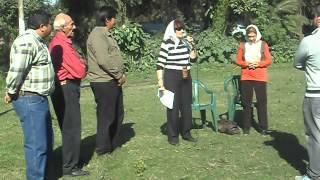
point(254, 57)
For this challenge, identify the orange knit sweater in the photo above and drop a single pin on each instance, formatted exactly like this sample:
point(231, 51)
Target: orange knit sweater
point(258, 74)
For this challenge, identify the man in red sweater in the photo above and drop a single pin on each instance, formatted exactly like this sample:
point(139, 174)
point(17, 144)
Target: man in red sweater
point(70, 68)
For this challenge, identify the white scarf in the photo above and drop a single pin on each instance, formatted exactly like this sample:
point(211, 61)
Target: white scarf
point(171, 34)
point(253, 50)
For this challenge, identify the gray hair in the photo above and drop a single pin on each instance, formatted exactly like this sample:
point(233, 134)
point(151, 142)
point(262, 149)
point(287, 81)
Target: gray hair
point(60, 21)
point(59, 24)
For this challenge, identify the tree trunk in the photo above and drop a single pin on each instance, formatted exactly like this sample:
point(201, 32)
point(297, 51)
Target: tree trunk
point(21, 17)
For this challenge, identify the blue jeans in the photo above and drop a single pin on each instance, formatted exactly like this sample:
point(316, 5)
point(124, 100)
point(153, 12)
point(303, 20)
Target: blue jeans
point(35, 119)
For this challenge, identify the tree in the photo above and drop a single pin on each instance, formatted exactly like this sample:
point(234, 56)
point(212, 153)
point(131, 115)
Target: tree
point(9, 22)
point(21, 17)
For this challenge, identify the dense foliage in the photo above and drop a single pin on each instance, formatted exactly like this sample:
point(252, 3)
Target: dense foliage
point(282, 23)
point(132, 41)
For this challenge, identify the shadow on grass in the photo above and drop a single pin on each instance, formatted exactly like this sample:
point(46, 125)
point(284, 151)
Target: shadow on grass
point(126, 133)
point(54, 167)
point(289, 149)
point(5, 112)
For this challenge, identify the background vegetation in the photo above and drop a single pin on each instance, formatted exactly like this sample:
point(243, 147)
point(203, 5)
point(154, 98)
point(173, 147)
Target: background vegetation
point(141, 24)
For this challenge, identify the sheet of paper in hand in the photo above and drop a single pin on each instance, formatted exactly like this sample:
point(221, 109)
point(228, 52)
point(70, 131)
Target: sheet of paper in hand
point(166, 98)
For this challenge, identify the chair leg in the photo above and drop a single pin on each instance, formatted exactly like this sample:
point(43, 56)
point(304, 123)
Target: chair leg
point(203, 117)
point(231, 112)
point(214, 119)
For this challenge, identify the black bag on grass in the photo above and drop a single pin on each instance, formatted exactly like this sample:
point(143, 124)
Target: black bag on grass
point(228, 127)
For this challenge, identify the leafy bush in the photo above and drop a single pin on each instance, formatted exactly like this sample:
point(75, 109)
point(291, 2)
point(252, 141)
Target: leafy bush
point(284, 52)
point(240, 6)
point(214, 46)
point(139, 50)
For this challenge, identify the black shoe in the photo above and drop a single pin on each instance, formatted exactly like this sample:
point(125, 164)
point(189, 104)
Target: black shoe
point(263, 132)
point(174, 141)
point(190, 138)
point(77, 172)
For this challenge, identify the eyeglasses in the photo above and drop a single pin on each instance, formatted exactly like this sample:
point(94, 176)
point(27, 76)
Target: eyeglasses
point(179, 29)
point(252, 36)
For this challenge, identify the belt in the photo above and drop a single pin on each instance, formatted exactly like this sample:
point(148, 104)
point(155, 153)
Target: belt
point(66, 81)
point(28, 93)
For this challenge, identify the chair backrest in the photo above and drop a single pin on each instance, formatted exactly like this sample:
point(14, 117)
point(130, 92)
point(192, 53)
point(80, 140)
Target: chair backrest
point(232, 87)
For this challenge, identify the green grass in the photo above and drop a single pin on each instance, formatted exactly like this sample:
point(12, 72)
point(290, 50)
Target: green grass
point(146, 154)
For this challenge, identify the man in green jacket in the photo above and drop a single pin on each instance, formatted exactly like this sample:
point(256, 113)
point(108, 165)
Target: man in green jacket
point(106, 73)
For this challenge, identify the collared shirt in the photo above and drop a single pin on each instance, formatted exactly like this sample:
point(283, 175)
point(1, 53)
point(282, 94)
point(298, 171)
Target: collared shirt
point(104, 57)
point(31, 68)
point(68, 64)
point(308, 59)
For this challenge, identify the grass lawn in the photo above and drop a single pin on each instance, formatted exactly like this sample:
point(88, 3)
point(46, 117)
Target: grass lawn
point(145, 153)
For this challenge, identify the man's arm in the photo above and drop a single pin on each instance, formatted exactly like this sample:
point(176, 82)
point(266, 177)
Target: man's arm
point(67, 57)
point(301, 56)
point(108, 57)
point(21, 56)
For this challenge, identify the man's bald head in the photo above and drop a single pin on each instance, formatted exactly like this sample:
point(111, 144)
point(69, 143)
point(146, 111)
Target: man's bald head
point(61, 20)
point(65, 24)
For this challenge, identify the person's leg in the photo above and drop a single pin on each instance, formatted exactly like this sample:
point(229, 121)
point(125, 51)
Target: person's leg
point(105, 94)
point(186, 111)
point(36, 124)
point(311, 113)
point(246, 100)
point(172, 83)
point(117, 124)
point(261, 95)
point(57, 100)
point(71, 127)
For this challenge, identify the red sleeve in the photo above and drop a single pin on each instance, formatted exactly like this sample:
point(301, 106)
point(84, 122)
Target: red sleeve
point(240, 61)
point(267, 61)
point(73, 63)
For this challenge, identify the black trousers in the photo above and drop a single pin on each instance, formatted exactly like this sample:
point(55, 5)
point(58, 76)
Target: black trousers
point(182, 89)
point(110, 114)
point(65, 100)
point(260, 89)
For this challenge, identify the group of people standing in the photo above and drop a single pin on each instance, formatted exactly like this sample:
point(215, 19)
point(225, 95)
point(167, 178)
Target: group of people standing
point(37, 71)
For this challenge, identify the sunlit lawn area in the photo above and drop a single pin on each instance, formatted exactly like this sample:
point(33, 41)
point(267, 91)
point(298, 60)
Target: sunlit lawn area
point(145, 153)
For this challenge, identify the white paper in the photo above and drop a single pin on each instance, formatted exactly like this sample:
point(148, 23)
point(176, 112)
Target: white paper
point(166, 98)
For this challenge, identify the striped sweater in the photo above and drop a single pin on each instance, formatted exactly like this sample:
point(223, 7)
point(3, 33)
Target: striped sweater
point(173, 58)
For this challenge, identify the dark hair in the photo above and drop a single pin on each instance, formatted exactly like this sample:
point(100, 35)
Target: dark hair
point(37, 18)
point(316, 11)
point(178, 25)
point(250, 30)
point(105, 13)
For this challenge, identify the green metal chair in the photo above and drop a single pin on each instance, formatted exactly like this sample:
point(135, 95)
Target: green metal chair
point(202, 107)
point(232, 89)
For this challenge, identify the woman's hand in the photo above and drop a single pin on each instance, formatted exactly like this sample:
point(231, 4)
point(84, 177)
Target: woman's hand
point(160, 85)
point(190, 41)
